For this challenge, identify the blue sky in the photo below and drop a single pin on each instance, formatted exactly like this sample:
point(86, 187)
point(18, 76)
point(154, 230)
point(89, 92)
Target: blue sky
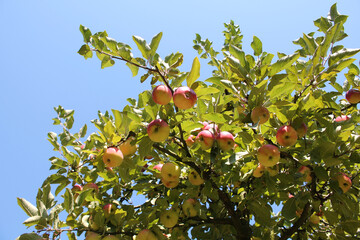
point(40, 67)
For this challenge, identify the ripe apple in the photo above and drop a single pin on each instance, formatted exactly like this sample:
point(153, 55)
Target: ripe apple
point(111, 237)
point(158, 130)
point(188, 207)
point(92, 236)
point(77, 188)
point(128, 147)
point(259, 170)
point(162, 95)
point(353, 96)
point(190, 140)
point(170, 184)
point(146, 234)
point(170, 171)
point(342, 118)
point(314, 219)
point(260, 115)
point(306, 172)
point(169, 218)
point(206, 139)
point(113, 157)
point(212, 127)
point(184, 97)
point(268, 155)
point(344, 182)
point(92, 186)
point(226, 141)
point(195, 178)
point(109, 209)
point(286, 136)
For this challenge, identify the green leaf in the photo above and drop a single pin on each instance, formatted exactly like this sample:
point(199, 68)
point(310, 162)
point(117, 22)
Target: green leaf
point(155, 43)
point(283, 63)
point(343, 53)
point(31, 221)
point(238, 69)
point(28, 208)
point(86, 33)
point(68, 201)
point(289, 209)
point(134, 69)
point(340, 65)
point(238, 54)
point(215, 117)
point(194, 72)
point(83, 131)
point(142, 46)
point(85, 51)
point(206, 91)
point(118, 118)
point(107, 61)
point(29, 236)
point(256, 45)
point(333, 14)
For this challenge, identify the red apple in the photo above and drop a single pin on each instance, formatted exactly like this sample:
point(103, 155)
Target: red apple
point(113, 157)
point(342, 118)
point(259, 170)
point(162, 95)
point(206, 139)
point(306, 172)
point(353, 96)
point(77, 188)
point(344, 182)
point(268, 155)
point(212, 127)
point(109, 209)
point(184, 97)
point(225, 140)
point(286, 136)
point(146, 234)
point(260, 115)
point(92, 236)
point(158, 130)
point(128, 147)
point(92, 186)
point(190, 140)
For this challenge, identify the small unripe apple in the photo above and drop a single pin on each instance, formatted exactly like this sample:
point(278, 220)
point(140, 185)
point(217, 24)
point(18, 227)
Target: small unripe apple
point(344, 182)
point(113, 157)
point(260, 115)
point(109, 209)
point(268, 155)
point(306, 172)
point(146, 234)
point(169, 218)
point(111, 237)
point(190, 140)
point(162, 95)
point(92, 236)
point(195, 178)
point(225, 140)
point(286, 136)
point(184, 97)
point(188, 207)
point(92, 186)
point(259, 170)
point(170, 171)
point(206, 139)
point(158, 130)
point(128, 147)
point(170, 184)
point(314, 219)
point(353, 96)
point(342, 118)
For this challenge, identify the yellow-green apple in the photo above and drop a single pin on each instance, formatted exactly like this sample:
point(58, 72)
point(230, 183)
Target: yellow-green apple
point(314, 219)
point(169, 218)
point(344, 182)
point(113, 157)
point(170, 171)
point(170, 184)
point(260, 115)
point(92, 224)
point(306, 172)
point(206, 139)
point(353, 96)
point(195, 178)
point(259, 170)
point(190, 140)
point(158, 130)
point(128, 147)
point(225, 140)
point(146, 234)
point(240, 108)
point(184, 97)
point(268, 155)
point(162, 95)
point(188, 207)
point(342, 118)
point(301, 130)
point(286, 136)
point(109, 209)
point(92, 236)
point(92, 186)
point(111, 237)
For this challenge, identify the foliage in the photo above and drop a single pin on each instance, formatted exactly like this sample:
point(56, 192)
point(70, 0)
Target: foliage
point(302, 87)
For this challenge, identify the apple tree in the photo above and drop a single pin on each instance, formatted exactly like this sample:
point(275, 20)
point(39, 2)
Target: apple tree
point(266, 147)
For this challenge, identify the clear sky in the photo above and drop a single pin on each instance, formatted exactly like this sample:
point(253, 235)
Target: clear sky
point(40, 67)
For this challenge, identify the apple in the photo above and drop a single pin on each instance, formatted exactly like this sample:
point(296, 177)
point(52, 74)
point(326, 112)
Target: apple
point(259, 170)
point(92, 186)
point(158, 130)
point(314, 219)
point(344, 182)
point(226, 141)
point(111, 237)
point(353, 96)
point(240, 108)
point(170, 184)
point(190, 140)
point(195, 178)
point(306, 172)
point(342, 118)
point(260, 115)
point(169, 218)
point(157, 168)
point(206, 139)
point(188, 207)
point(299, 212)
point(286, 136)
point(184, 97)
point(128, 147)
point(170, 171)
point(146, 234)
point(268, 155)
point(301, 130)
point(212, 127)
point(77, 188)
point(113, 157)
point(162, 95)
point(92, 236)
point(109, 209)
point(273, 171)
